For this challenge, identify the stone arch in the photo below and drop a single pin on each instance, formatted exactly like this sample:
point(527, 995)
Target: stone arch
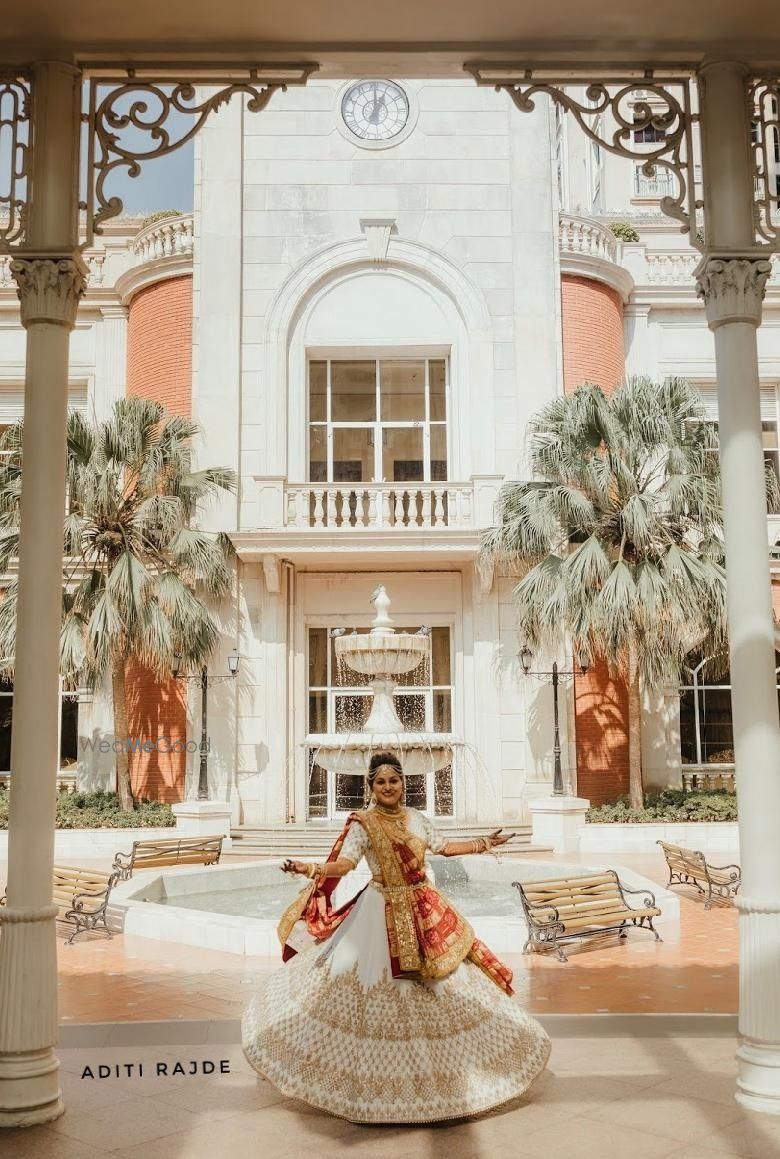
point(418, 266)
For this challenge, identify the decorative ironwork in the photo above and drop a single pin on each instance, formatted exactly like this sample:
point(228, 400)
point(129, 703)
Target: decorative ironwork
point(15, 157)
point(764, 101)
point(137, 115)
point(644, 116)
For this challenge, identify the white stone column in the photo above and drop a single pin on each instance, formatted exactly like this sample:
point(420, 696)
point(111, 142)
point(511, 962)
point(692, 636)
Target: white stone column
point(731, 278)
point(50, 276)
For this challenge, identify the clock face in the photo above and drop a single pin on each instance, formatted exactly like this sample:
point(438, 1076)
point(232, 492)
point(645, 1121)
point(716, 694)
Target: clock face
point(375, 110)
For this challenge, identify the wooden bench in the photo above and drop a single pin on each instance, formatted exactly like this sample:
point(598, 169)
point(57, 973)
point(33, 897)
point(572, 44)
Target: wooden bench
point(567, 908)
point(690, 867)
point(148, 853)
point(81, 897)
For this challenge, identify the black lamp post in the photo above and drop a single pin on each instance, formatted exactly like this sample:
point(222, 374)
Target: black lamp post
point(526, 657)
point(233, 661)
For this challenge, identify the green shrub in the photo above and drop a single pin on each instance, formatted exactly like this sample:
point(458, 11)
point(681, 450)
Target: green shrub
point(101, 811)
point(624, 231)
point(669, 805)
point(151, 218)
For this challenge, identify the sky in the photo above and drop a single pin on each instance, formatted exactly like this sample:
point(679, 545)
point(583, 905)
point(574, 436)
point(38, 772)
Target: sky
point(164, 182)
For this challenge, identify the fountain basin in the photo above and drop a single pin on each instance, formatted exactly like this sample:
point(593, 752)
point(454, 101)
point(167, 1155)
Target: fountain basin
point(350, 753)
point(235, 908)
point(377, 655)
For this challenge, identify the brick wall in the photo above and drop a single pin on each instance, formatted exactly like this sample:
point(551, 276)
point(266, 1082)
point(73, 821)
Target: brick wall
point(593, 345)
point(159, 366)
point(594, 351)
point(159, 344)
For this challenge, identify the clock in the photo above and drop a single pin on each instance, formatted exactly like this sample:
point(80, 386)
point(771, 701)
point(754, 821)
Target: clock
point(375, 111)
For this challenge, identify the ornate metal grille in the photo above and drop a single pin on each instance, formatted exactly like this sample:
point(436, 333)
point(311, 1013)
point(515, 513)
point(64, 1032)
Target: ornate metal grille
point(645, 116)
point(15, 157)
point(129, 117)
point(764, 101)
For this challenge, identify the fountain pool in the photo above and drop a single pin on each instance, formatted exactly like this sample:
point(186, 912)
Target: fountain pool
point(236, 907)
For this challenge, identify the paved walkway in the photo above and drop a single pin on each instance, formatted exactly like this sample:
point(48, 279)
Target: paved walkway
point(129, 978)
point(601, 1098)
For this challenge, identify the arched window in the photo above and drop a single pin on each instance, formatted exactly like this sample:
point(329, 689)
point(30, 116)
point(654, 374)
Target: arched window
point(706, 729)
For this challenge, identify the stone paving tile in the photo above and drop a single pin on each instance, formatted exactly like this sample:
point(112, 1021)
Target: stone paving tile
point(573, 1110)
point(132, 978)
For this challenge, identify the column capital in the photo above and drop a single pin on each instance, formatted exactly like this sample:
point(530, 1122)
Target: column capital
point(732, 288)
point(49, 287)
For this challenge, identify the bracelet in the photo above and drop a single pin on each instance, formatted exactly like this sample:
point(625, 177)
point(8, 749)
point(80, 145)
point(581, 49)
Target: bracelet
point(487, 845)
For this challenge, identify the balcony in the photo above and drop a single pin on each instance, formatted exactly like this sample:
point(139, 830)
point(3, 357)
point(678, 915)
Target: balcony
point(380, 505)
point(413, 522)
point(589, 249)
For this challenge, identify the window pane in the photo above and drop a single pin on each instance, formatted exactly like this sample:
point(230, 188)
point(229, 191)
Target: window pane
point(352, 713)
point(69, 731)
point(402, 454)
point(442, 711)
point(318, 790)
point(318, 711)
point(353, 391)
point(438, 454)
point(318, 454)
point(437, 381)
point(442, 792)
point(318, 384)
point(716, 727)
point(353, 455)
point(318, 657)
point(415, 791)
point(440, 649)
point(349, 792)
point(402, 390)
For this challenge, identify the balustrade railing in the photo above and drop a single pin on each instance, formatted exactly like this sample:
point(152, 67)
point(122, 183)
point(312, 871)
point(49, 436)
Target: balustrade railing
point(583, 235)
point(379, 505)
point(168, 237)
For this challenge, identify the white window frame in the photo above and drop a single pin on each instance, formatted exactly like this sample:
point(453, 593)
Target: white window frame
point(333, 691)
point(379, 425)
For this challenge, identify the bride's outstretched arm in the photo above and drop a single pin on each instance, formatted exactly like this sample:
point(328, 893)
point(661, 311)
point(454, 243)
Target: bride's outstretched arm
point(339, 868)
point(477, 845)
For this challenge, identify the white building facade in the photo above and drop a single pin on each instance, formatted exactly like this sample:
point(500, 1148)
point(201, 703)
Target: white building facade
point(376, 315)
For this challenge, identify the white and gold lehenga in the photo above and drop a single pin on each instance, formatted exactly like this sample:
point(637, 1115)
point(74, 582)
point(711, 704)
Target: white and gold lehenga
point(396, 1013)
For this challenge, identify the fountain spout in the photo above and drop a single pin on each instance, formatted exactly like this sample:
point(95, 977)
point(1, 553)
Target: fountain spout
point(382, 625)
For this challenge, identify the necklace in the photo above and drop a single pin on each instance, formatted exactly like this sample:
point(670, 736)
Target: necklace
point(397, 816)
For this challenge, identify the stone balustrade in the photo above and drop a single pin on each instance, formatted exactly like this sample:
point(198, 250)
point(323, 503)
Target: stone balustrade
point(379, 506)
point(167, 237)
point(583, 235)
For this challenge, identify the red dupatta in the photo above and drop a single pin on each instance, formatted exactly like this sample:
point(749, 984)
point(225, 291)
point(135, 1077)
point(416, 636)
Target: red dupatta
point(427, 937)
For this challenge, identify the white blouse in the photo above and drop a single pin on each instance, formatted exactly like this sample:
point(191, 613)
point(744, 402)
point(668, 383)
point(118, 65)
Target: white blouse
point(357, 843)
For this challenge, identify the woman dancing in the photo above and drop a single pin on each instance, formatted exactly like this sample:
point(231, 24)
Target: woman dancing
point(395, 1013)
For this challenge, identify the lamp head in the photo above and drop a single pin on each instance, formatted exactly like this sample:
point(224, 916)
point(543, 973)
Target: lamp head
point(176, 664)
point(233, 661)
point(525, 656)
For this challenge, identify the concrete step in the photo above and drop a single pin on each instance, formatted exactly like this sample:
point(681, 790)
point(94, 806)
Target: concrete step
point(306, 841)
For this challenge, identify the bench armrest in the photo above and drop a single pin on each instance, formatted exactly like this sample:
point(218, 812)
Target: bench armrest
point(648, 897)
point(123, 865)
point(723, 868)
point(536, 910)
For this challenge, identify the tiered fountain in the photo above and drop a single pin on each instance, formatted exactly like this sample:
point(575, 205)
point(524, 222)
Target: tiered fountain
point(383, 654)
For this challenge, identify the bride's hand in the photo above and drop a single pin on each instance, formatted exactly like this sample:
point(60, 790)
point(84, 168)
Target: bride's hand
point(497, 837)
point(290, 866)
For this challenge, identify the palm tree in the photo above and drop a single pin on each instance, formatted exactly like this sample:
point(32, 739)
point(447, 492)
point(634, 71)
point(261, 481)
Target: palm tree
point(137, 571)
point(618, 540)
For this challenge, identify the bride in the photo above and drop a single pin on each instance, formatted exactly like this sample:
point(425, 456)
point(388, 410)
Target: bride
point(389, 1010)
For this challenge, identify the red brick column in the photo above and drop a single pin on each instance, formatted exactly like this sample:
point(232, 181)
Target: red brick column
point(593, 344)
point(159, 367)
point(594, 351)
